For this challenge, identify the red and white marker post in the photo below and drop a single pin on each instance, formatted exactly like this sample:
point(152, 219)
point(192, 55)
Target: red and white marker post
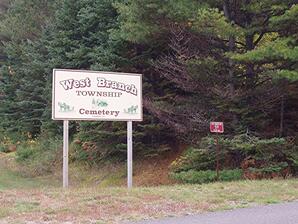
point(218, 128)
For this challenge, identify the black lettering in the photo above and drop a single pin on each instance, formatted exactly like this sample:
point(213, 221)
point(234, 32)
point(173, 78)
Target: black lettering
point(110, 94)
point(91, 93)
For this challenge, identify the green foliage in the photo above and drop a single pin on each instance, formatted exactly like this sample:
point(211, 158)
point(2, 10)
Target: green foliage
point(276, 168)
point(192, 34)
point(201, 61)
point(23, 72)
point(97, 141)
point(25, 18)
point(287, 22)
point(282, 49)
point(5, 143)
point(206, 176)
point(268, 153)
point(212, 22)
point(3, 148)
point(39, 157)
point(259, 157)
point(140, 20)
point(198, 159)
point(80, 35)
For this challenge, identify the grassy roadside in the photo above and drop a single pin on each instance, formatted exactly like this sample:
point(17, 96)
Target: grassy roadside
point(42, 200)
point(116, 204)
point(11, 176)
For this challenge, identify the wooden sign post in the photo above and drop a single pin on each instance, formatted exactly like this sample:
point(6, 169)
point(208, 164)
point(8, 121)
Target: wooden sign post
point(98, 96)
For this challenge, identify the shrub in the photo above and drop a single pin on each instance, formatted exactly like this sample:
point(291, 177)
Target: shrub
point(39, 157)
point(7, 144)
point(259, 158)
point(196, 159)
point(207, 176)
point(3, 148)
point(26, 152)
point(230, 175)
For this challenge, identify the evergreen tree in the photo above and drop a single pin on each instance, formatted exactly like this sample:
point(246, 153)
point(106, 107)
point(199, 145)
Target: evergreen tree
point(83, 37)
point(23, 77)
point(199, 35)
point(280, 48)
point(230, 60)
point(275, 58)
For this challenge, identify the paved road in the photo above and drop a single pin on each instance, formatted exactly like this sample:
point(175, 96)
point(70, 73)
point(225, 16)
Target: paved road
point(286, 213)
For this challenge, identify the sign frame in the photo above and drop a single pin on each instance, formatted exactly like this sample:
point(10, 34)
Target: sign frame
point(95, 72)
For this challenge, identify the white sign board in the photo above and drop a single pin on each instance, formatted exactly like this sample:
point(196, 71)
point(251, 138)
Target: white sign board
point(90, 95)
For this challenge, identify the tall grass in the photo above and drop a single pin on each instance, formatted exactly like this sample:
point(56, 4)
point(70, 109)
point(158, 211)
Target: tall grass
point(39, 157)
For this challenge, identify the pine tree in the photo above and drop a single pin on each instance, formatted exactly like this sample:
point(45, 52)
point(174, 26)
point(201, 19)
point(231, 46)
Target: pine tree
point(235, 91)
point(83, 37)
point(192, 65)
point(280, 45)
point(23, 77)
point(276, 59)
